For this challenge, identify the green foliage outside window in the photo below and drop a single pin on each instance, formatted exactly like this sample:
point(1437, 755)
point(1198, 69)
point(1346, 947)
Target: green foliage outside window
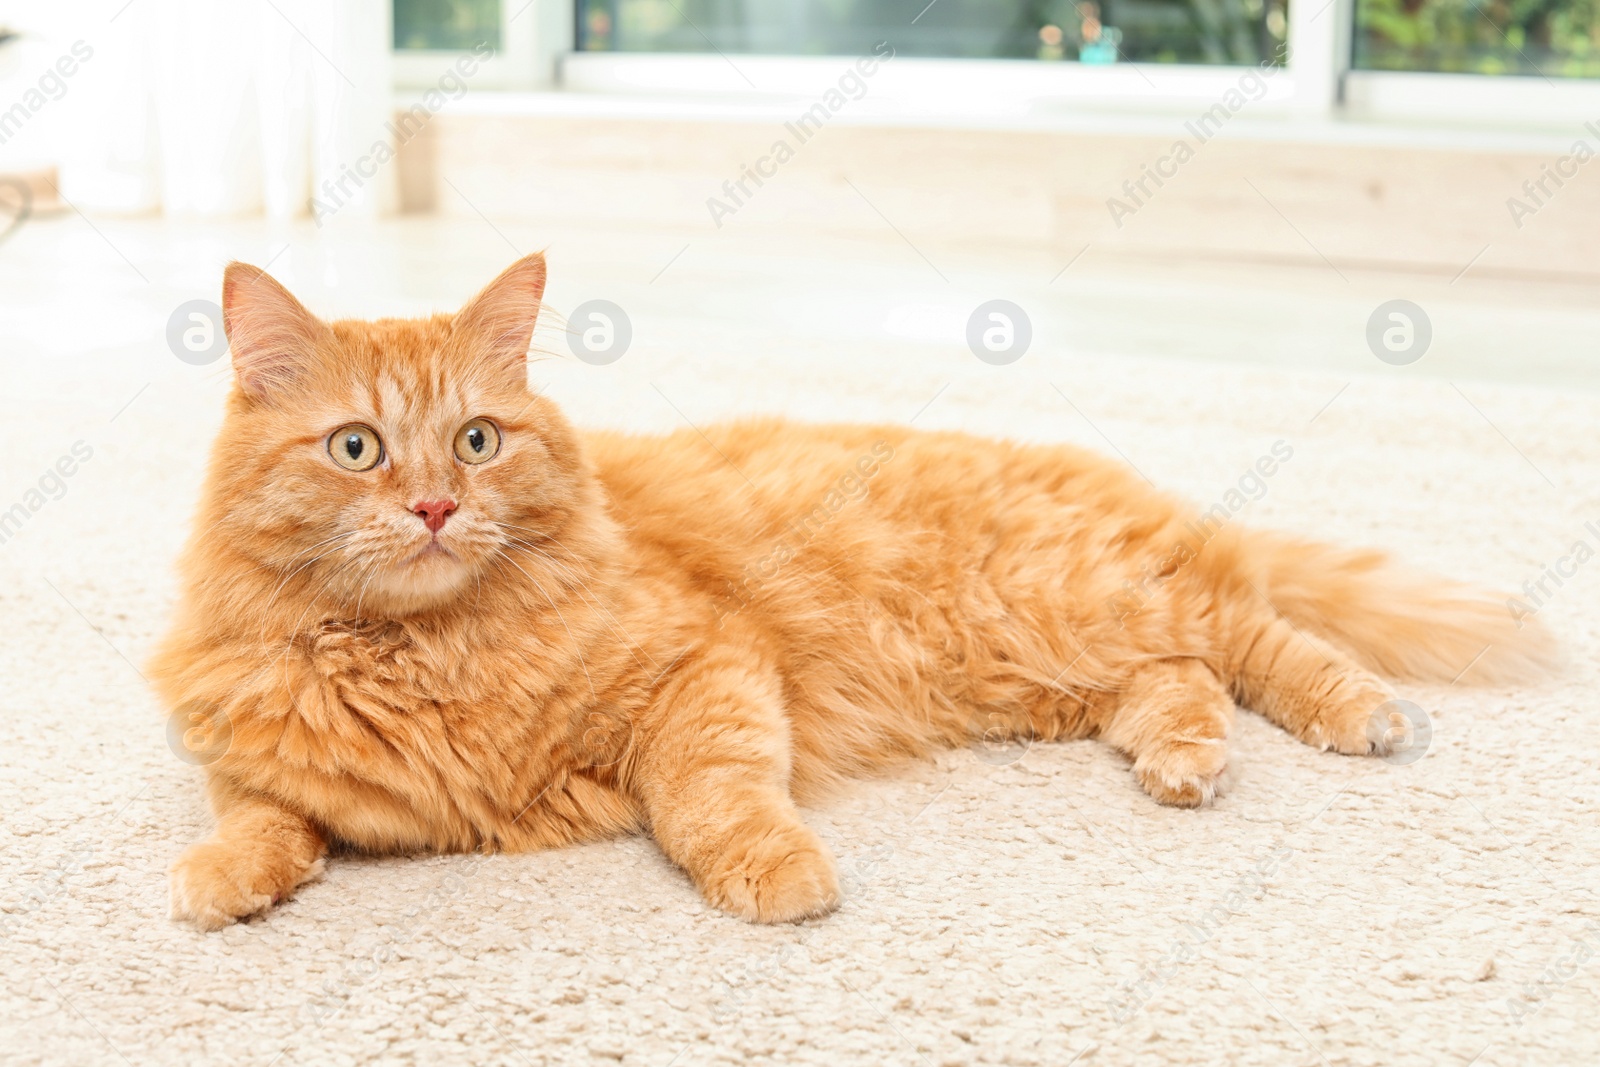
point(446, 25)
point(1552, 38)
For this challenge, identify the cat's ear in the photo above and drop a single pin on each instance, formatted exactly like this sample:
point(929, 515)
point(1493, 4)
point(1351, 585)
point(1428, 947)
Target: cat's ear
point(499, 321)
point(271, 334)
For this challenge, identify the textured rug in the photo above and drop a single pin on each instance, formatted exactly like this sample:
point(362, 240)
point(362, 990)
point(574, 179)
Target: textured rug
point(1027, 905)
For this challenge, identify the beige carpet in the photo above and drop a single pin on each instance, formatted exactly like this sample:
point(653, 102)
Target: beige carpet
point(1003, 908)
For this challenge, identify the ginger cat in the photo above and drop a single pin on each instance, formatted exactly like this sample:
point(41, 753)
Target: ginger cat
point(434, 616)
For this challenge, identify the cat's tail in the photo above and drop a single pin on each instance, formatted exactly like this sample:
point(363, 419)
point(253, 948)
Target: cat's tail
point(1400, 623)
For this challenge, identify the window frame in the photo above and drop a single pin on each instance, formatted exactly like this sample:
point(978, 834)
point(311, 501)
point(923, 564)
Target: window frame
point(1316, 82)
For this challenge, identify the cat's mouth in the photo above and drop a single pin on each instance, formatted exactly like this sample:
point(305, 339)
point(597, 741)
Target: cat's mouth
point(428, 551)
point(423, 579)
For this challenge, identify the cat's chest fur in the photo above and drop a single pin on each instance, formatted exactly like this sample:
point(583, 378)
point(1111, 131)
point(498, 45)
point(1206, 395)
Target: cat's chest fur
point(406, 736)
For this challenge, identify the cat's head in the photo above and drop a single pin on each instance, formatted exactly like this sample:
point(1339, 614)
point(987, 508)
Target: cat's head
point(387, 465)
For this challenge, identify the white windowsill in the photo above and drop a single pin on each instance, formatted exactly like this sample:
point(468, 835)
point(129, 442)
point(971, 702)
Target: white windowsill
point(1256, 121)
point(1555, 105)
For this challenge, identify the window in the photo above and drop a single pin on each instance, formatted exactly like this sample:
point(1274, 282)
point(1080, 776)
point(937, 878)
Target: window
point(1411, 60)
point(446, 25)
point(523, 40)
point(1549, 38)
point(1234, 32)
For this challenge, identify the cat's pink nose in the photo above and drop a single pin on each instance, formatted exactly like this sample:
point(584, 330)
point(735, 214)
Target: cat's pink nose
point(433, 513)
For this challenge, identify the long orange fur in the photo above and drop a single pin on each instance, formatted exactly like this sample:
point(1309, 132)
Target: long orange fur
point(617, 633)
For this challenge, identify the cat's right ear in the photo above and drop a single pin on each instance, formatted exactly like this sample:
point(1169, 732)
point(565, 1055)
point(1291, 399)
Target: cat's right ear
point(271, 334)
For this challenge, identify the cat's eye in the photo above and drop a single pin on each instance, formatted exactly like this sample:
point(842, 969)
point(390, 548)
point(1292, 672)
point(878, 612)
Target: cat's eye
point(477, 441)
point(355, 447)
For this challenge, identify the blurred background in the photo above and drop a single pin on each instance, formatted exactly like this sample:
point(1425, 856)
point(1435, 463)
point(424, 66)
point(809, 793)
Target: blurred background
point(1224, 179)
point(960, 211)
point(1185, 233)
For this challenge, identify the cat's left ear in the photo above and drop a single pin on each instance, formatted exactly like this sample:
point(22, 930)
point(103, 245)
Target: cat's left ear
point(499, 321)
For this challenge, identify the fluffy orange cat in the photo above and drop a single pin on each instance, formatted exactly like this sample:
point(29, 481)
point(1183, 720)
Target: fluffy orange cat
point(435, 616)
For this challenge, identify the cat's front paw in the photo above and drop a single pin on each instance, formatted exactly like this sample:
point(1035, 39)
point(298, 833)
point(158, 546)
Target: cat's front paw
point(215, 883)
point(775, 875)
point(1184, 774)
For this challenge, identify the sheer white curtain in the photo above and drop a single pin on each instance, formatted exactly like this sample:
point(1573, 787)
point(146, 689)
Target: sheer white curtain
point(228, 107)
